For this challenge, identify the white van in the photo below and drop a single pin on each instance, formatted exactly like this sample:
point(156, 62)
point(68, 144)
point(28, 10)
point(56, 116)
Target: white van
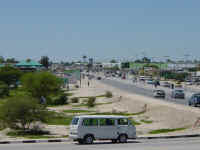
point(86, 129)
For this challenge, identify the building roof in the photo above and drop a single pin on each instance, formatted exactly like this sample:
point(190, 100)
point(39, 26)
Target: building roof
point(30, 63)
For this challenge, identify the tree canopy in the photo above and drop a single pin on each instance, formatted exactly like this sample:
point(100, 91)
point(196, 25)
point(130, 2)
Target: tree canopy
point(41, 83)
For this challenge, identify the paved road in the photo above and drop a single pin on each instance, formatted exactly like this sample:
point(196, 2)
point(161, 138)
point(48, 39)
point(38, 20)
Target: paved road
point(170, 144)
point(144, 90)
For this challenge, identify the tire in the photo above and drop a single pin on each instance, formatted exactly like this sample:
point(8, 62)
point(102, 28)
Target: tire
point(114, 141)
point(80, 141)
point(88, 139)
point(123, 138)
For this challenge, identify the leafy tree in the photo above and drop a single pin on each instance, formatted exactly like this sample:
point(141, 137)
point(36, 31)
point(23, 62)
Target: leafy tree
point(84, 58)
point(11, 60)
point(41, 84)
point(45, 61)
point(4, 89)
point(113, 61)
point(21, 112)
point(2, 59)
point(10, 75)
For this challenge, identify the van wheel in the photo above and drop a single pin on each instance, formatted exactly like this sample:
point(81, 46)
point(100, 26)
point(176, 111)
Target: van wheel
point(80, 141)
point(88, 139)
point(114, 141)
point(123, 138)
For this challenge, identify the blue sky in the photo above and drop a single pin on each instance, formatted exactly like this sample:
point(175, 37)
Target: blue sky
point(103, 29)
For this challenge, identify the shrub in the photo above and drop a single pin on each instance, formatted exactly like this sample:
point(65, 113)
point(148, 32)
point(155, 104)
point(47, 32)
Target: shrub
point(75, 100)
point(108, 94)
point(77, 86)
point(21, 112)
point(61, 100)
point(57, 100)
point(4, 89)
point(91, 101)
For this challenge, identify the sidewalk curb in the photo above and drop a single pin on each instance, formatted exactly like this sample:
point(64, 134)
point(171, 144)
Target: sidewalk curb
point(35, 141)
point(68, 140)
point(168, 137)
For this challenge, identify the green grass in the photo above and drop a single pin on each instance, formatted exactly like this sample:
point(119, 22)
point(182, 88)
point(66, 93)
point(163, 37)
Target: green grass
point(165, 130)
point(29, 136)
point(59, 119)
point(136, 123)
point(104, 103)
point(119, 113)
point(69, 94)
point(77, 111)
point(147, 121)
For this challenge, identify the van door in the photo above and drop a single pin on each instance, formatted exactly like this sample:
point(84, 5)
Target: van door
point(124, 127)
point(107, 128)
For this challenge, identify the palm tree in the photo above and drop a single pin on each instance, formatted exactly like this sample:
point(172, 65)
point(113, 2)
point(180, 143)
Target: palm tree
point(84, 58)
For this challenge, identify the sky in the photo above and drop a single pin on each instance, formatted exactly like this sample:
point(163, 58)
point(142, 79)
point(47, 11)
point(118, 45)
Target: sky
point(65, 30)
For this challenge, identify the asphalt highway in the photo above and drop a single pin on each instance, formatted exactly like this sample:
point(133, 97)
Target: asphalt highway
point(145, 91)
point(164, 144)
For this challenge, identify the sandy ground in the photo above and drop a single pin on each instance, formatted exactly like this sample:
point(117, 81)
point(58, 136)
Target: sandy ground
point(162, 114)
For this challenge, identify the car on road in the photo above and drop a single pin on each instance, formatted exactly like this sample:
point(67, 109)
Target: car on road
point(178, 93)
point(87, 128)
point(150, 81)
point(159, 93)
point(194, 100)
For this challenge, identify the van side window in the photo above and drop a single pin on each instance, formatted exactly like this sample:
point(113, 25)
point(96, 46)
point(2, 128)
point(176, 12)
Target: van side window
point(107, 122)
point(90, 122)
point(122, 121)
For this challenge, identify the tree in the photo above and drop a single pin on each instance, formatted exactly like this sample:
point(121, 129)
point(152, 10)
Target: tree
point(2, 60)
point(11, 60)
point(84, 58)
point(41, 84)
point(146, 60)
point(10, 75)
point(21, 112)
point(45, 61)
point(113, 61)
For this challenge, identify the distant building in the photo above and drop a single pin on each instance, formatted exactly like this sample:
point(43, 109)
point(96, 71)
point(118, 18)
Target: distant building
point(28, 65)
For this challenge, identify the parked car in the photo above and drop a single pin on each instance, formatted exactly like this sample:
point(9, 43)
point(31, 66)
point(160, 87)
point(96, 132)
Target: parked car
point(194, 100)
point(159, 93)
point(178, 93)
point(86, 129)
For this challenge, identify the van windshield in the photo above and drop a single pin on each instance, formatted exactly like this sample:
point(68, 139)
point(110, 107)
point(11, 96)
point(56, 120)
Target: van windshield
point(75, 121)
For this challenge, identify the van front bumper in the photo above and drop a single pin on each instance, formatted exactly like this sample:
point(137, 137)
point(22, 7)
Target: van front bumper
point(73, 136)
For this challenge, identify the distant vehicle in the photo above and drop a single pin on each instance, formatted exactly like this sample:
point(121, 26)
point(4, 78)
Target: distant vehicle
point(98, 78)
point(194, 100)
point(159, 93)
point(178, 93)
point(188, 83)
point(150, 81)
point(166, 84)
point(86, 129)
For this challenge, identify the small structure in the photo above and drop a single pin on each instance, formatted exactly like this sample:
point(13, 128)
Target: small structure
point(29, 65)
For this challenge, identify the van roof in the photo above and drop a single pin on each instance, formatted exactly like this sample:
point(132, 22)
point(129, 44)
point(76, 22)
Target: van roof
point(100, 116)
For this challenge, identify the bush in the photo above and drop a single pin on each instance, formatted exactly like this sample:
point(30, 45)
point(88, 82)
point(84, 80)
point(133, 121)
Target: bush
point(91, 101)
point(75, 100)
point(21, 112)
point(108, 94)
point(58, 100)
point(4, 89)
